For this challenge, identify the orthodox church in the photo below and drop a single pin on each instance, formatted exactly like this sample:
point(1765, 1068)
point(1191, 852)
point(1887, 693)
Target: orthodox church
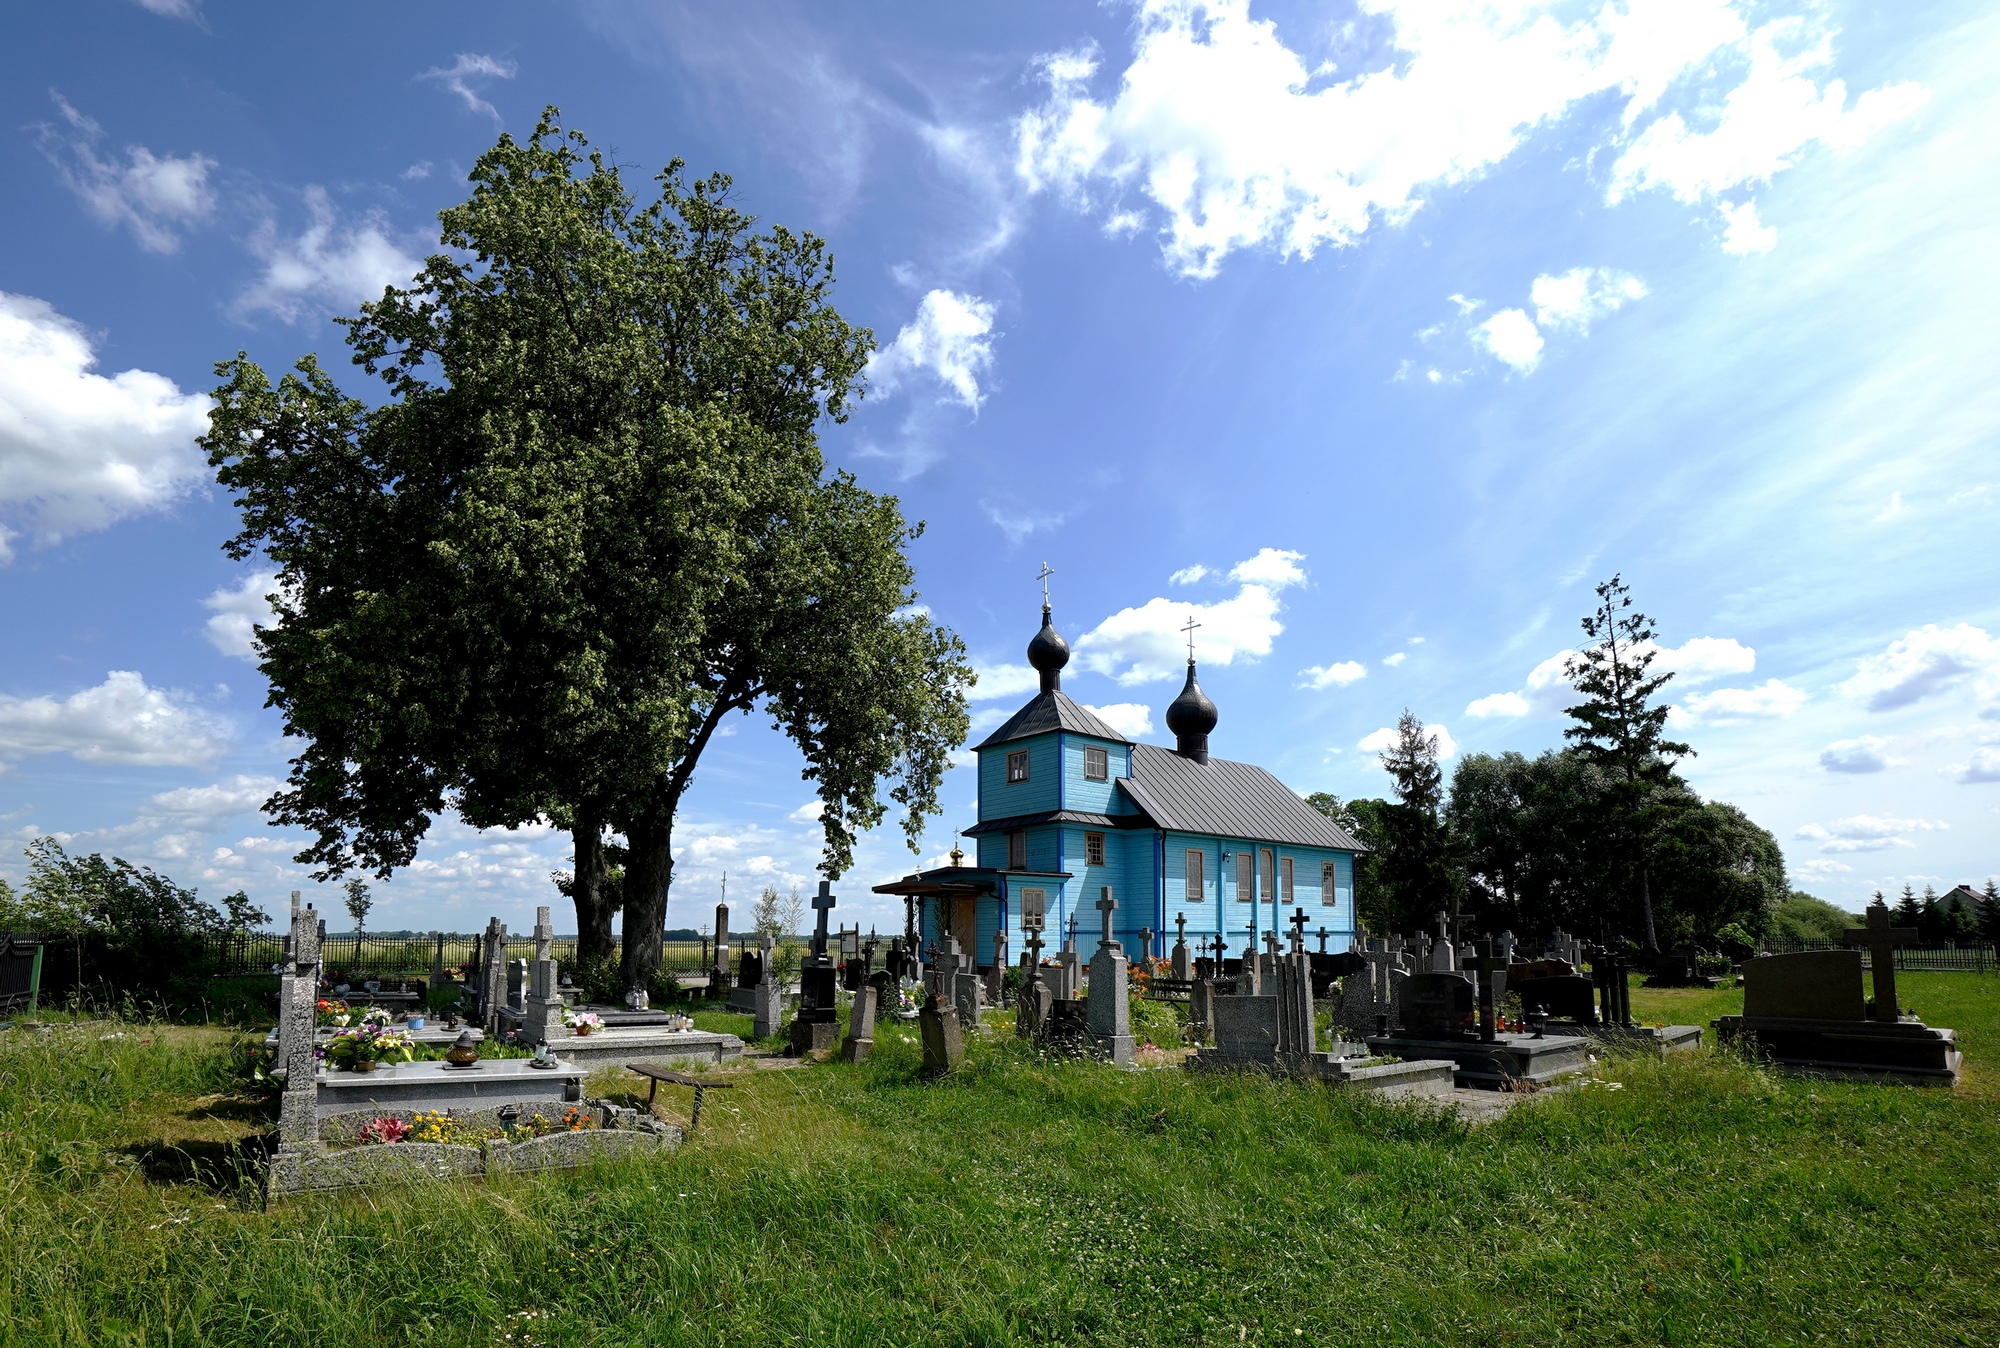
point(1067, 806)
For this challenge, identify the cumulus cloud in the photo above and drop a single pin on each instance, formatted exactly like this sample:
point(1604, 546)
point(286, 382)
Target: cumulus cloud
point(1863, 755)
point(950, 341)
point(79, 450)
point(1188, 575)
point(152, 195)
point(1984, 767)
point(1772, 698)
point(1511, 337)
point(1764, 123)
point(1867, 833)
point(1004, 681)
point(238, 611)
point(1144, 644)
point(460, 75)
point(1393, 660)
point(119, 721)
point(808, 813)
point(1337, 675)
point(1498, 704)
point(1820, 868)
point(1704, 658)
point(330, 263)
point(1744, 233)
point(1927, 662)
point(1383, 740)
point(177, 821)
point(1582, 295)
point(1130, 719)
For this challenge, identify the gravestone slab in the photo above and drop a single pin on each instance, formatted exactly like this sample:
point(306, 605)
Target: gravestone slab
point(1805, 1013)
point(944, 1046)
point(1438, 1006)
point(1809, 985)
point(860, 1041)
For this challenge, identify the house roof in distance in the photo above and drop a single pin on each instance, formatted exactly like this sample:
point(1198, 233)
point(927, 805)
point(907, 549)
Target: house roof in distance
point(1049, 711)
point(1229, 800)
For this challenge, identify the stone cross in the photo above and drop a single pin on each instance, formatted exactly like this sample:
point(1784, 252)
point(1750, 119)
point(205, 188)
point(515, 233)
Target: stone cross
point(1322, 940)
point(1503, 945)
point(545, 935)
point(1881, 940)
point(1298, 931)
point(1107, 906)
point(1444, 926)
point(1070, 944)
point(823, 903)
point(298, 1112)
point(1180, 928)
point(1271, 943)
point(1034, 944)
point(1146, 942)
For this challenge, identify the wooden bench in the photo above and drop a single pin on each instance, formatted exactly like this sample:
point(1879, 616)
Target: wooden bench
point(655, 1075)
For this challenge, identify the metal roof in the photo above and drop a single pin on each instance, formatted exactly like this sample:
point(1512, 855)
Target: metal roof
point(1052, 710)
point(1020, 821)
point(1225, 799)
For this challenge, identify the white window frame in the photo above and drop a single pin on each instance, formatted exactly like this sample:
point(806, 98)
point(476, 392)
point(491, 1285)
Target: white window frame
point(1093, 849)
point(1103, 757)
point(1196, 881)
point(1017, 758)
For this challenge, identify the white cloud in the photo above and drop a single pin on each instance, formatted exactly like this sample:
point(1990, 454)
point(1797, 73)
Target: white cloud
point(1393, 660)
point(176, 821)
point(1188, 575)
point(1383, 740)
point(80, 450)
point(808, 813)
point(1867, 833)
point(151, 194)
point(1764, 124)
point(1984, 767)
point(1004, 681)
point(119, 721)
point(418, 171)
point(460, 74)
point(1017, 524)
point(1498, 704)
point(238, 610)
point(1891, 510)
point(1820, 868)
point(1863, 755)
point(1143, 644)
point(1511, 336)
point(1337, 675)
point(1130, 719)
point(1703, 658)
point(1548, 687)
point(1744, 233)
point(950, 339)
point(332, 263)
point(1273, 568)
point(1240, 141)
point(1928, 661)
point(1582, 295)
point(172, 9)
point(1772, 698)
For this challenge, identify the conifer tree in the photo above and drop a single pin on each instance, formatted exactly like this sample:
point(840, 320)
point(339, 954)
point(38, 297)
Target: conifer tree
point(1989, 911)
point(1622, 729)
point(1907, 913)
point(1415, 865)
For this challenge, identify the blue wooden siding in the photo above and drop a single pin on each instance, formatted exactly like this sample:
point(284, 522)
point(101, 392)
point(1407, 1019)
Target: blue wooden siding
point(1090, 797)
point(999, 799)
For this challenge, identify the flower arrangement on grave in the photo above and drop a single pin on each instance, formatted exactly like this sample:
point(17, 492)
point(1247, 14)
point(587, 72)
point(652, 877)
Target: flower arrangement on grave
point(377, 1017)
point(540, 1125)
point(328, 1011)
point(364, 1046)
point(434, 1125)
point(384, 1131)
point(583, 1022)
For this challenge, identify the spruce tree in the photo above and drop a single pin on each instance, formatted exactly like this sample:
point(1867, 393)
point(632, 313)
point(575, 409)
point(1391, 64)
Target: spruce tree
point(1989, 911)
point(1621, 727)
point(1908, 913)
point(1415, 865)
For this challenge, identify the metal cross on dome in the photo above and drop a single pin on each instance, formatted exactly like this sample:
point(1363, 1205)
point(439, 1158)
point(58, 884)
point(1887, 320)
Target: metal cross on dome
point(1190, 630)
point(1043, 577)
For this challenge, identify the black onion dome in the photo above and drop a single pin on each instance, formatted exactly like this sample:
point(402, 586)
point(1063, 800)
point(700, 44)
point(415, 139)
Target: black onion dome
point(1191, 716)
point(1048, 652)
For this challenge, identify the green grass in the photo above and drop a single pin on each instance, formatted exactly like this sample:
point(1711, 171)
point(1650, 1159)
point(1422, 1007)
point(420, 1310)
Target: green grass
point(1022, 1200)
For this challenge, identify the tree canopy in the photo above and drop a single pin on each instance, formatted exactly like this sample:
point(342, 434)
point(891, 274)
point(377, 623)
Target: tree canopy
point(591, 522)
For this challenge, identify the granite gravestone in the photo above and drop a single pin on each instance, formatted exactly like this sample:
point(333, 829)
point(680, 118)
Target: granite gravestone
point(542, 1008)
point(493, 977)
point(298, 1111)
point(1109, 1014)
point(1438, 1006)
point(769, 1005)
point(1808, 985)
point(817, 1025)
point(944, 1046)
point(860, 1041)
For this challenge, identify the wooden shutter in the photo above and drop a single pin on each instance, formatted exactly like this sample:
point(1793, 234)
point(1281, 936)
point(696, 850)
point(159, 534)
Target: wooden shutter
point(1246, 889)
point(1197, 883)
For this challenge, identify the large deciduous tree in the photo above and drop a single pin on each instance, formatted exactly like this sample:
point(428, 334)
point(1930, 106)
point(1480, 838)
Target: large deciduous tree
point(592, 521)
point(1622, 729)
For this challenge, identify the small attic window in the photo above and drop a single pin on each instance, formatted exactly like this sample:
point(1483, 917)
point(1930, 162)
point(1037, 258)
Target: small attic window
point(1096, 765)
point(1017, 766)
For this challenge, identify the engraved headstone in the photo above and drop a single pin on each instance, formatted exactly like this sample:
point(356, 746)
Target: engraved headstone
point(1109, 1014)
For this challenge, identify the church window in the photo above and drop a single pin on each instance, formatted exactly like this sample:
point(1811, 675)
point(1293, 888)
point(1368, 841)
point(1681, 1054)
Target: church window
point(1034, 908)
point(1017, 766)
point(1195, 880)
point(1097, 765)
point(1287, 894)
point(1329, 883)
point(1093, 849)
point(1017, 851)
point(1246, 889)
point(1267, 879)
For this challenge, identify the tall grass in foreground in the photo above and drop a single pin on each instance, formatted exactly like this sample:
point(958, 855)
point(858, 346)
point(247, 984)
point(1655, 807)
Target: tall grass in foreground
point(1031, 1200)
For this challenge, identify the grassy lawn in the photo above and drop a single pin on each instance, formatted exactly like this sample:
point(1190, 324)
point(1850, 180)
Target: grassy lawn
point(1698, 1200)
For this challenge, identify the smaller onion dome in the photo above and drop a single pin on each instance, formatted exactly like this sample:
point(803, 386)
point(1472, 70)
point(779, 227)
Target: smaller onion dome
point(1191, 716)
point(1048, 652)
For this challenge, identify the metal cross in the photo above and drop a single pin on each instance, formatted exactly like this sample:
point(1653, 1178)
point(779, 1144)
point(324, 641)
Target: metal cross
point(1190, 629)
point(1322, 940)
point(1043, 577)
point(1298, 929)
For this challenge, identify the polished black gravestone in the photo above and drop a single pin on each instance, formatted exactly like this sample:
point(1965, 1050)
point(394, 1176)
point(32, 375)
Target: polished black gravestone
point(1440, 1019)
point(816, 1027)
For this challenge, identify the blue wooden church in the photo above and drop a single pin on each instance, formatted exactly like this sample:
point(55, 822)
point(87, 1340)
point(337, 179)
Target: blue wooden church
point(1068, 805)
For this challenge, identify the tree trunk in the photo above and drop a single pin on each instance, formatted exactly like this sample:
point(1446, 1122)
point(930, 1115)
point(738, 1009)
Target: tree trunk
point(1646, 904)
point(594, 909)
point(649, 871)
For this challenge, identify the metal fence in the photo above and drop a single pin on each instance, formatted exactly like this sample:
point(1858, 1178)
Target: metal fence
point(259, 952)
point(1977, 957)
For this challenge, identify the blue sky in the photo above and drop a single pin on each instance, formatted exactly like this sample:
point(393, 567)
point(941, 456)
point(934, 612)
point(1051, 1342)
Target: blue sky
point(1371, 333)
